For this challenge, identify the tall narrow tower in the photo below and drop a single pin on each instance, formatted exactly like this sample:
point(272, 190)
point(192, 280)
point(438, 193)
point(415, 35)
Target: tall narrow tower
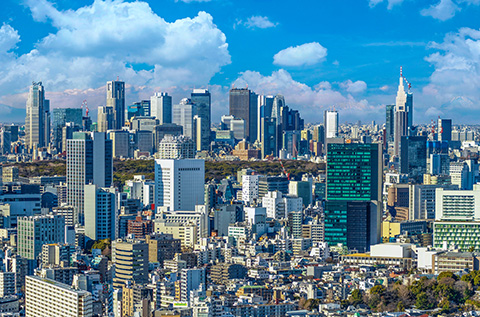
point(401, 115)
point(37, 118)
point(116, 100)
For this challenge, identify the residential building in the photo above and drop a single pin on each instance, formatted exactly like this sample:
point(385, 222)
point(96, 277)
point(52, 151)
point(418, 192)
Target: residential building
point(100, 212)
point(130, 258)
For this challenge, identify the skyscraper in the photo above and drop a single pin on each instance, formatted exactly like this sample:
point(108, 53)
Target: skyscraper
point(105, 119)
point(243, 105)
point(331, 124)
point(89, 161)
point(60, 117)
point(37, 120)
point(161, 107)
point(354, 182)
point(179, 184)
point(116, 100)
point(403, 104)
point(100, 208)
point(183, 114)
point(413, 157)
point(202, 100)
point(444, 130)
point(390, 122)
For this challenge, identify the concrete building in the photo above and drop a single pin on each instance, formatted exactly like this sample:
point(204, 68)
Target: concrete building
point(116, 101)
point(7, 284)
point(183, 114)
point(423, 199)
point(331, 124)
point(62, 300)
point(100, 212)
point(120, 143)
point(176, 147)
point(279, 206)
point(202, 99)
point(179, 184)
point(250, 188)
point(130, 258)
point(161, 107)
point(37, 120)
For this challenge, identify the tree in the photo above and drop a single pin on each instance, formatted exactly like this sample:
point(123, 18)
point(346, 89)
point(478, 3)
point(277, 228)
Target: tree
point(400, 307)
point(423, 302)
point(446, 274)
point(377, 290)
point(356, 297)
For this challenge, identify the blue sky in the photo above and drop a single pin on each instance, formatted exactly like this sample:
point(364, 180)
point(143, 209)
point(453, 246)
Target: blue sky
point(319, 54)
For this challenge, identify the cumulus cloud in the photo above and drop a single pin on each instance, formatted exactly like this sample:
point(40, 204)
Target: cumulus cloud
point(442, 11)
point(352, 87)
point(454, 83)
point(260, 22)
point(390, 5)
point(311, 101)
point(107, 39)
point(305, 54)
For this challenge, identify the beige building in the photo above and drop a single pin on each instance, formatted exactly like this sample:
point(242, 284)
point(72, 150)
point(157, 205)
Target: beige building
point(48, 298)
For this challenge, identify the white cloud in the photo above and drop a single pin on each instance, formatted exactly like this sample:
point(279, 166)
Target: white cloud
point(8, 38)
point(391, 3)
point(107, 39)
point(356, 87)
point(260, 22)
point(384, 88)
point(311, 101)
point(305, 54)
point(443, 10)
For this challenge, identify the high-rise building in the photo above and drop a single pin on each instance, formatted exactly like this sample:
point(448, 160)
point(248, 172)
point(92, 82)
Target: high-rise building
point(179, 184)
point(354, 182)
point(35, 231)
point(116, 100)
point(183, 114)
point(191, 280)
point(161, 107)
point(37, 120)
point(243, 105)
point(62, 300)
point(413, 156)
point(105, 119)
point(268, 137)
point(176, 147)
point(272, 183)
point(120, 143)
point(390, 123)
point(403, 117)
point(100, 212)
point(444, 130)
point(89, 161)
point(139, 109)
point(202, 99)
point(130, 258)
point(7, 284)
point(60, 117)
point(331, 124)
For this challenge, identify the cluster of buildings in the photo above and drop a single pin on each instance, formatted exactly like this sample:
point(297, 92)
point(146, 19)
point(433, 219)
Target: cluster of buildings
point(385, 200)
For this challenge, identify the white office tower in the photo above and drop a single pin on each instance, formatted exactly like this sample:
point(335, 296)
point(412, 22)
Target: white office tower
point(161, 107)
point(331, 124)
point(100, 212)
point(401, 116)
point(37, 120)
point(250, 188)
point(179, 184)
point(183, 114)
point(47, 298)
point(89, 161)
point(176, 147)
point(279, 206)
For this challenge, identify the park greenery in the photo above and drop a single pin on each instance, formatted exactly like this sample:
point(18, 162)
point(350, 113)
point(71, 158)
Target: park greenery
point(445, 294)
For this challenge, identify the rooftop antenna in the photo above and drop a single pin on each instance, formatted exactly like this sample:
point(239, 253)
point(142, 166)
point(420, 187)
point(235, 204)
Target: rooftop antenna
point(401, 71)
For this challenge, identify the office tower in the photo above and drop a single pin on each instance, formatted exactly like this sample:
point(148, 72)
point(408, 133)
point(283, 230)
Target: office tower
point(105, 120)
point(139, 109)
point(116, 100)
point(183, 114)
point(35, 231)
point(354, 182)
point(277, 105)
point(161, 107)
point(176, 147)
point(89, 161)
point(130, 258)
point(191, 280)
point(243, 105)
point(264, 110)
point(179, 184)
point(60, 117)
point(301, 189)
point(413, 156)
point(37, 120)
point(444, 130)
point(62, 300)
point(120, 143)
point(318, 133)
point(403, 104)
point(5, 141)
point(100, 212)
point(390, 123)
point(331, 124)
point(422, 200)
point(268, 138)
point(13, 130)
point(162, 247)
point(202, 99)
point(272, 183)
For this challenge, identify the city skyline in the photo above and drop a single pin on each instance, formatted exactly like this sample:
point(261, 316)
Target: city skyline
point(333, 56)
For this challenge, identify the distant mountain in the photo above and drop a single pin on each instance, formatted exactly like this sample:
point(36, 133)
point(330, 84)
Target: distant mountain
point(458, 102)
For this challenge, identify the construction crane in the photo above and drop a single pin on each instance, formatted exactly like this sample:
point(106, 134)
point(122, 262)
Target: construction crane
point(284, 170)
